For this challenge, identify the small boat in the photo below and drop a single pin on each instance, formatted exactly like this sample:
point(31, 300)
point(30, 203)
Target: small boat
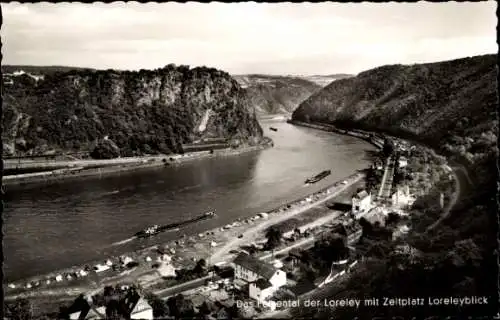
point(273, 129)
point(318, 177)
point(150, 231)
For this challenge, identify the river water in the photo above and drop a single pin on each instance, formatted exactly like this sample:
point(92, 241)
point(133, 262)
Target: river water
point(49, 227)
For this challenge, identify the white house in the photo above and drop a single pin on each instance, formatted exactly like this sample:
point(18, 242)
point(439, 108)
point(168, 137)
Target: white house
point(402, 162)
point(262, 290)
point(141, 310)
point(402, 230)
point(263, 278)
point(402, 198)
point(361, 203)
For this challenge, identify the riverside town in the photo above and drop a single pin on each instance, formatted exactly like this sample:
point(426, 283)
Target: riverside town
point(249, 160)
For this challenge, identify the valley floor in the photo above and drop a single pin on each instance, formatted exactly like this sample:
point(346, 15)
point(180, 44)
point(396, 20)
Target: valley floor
point(216, 246)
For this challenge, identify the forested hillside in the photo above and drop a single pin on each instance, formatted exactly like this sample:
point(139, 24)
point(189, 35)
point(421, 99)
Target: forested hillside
point(452, 107)
point(132, 113)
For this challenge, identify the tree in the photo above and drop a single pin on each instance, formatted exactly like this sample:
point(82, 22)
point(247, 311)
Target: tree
point(112, 310)
point(391, 218)
point(21, 309)
point(388, 147)
point(180, 307)
point(200, 267)
point(330, 249)
point(160, 307)
point(204, 309)
point(273, 236)
point(105, 149)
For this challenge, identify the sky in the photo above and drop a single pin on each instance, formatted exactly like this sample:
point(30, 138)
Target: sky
point(242, 38)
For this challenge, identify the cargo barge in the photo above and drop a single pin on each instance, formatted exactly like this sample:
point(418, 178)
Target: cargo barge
point(318, 177)
point(156, 229)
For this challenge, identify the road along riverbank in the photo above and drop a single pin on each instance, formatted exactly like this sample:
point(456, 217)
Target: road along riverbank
point(78, 169)
point(375, 139)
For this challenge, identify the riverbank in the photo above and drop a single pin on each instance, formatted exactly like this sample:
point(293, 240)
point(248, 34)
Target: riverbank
point(374, 139)
point(183, 252)
point(80, 169)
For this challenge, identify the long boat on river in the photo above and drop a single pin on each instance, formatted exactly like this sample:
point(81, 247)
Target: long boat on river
point(156, 229)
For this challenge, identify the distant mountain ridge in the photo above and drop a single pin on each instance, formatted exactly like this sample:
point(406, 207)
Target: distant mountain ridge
point(270, 94)
point(324, 80)
point(41, 70)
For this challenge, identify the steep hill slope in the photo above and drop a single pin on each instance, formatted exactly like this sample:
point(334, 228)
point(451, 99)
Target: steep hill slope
point(139, 112)
point(451, 106)
point(276, 94)
point(453, 102)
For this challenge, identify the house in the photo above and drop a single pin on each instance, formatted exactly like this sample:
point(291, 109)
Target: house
point(134, 307)
point(402, 162)
point(262, 290)
point(361, 203)
point(141, 310)
point(400, 231)
point(264, 279)
point(250, 269)
point(402, 198)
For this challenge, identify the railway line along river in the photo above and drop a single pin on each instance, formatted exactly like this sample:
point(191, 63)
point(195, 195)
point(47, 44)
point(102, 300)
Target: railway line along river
point(53, 226)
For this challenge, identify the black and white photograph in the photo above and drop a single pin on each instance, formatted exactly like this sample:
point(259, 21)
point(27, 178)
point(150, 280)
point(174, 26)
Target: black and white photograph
point(249, 160)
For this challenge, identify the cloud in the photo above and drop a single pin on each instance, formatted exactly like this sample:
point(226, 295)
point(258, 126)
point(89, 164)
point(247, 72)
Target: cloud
point(246, 37)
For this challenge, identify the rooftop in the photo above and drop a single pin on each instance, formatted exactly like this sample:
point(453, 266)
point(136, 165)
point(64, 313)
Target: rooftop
point(262, 284)
point(361, 195)
point(253, 264)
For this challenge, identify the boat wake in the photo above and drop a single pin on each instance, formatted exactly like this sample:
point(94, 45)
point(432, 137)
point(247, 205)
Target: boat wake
point(110, 193)
point(118, 243)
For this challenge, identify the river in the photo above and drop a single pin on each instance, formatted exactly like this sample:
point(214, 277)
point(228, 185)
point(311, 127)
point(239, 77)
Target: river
point(48, 227)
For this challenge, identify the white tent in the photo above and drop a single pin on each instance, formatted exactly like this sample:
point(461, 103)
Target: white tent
point(127, 260)
point(100, 268)
point(83, 273)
